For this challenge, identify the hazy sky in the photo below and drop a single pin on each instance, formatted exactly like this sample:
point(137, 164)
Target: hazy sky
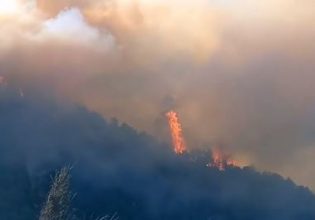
point(239, 72)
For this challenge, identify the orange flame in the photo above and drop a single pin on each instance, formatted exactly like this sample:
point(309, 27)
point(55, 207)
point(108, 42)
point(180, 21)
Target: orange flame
point(221, 160)
point(176, 132)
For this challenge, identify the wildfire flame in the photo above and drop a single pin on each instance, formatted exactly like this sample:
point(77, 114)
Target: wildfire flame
point(221, 160)
point(176, 133)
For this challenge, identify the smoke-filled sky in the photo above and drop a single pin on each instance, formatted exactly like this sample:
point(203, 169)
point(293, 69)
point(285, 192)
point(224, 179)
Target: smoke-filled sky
point(239, 72)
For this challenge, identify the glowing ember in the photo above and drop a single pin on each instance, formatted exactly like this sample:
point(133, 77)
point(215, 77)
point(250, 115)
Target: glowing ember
point(221, 160)
point(176, 133)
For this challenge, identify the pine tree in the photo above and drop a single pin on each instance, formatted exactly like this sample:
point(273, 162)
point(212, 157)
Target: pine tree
point(57, 206)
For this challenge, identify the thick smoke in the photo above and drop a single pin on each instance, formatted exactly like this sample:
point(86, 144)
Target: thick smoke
point(239, 72)
point(117, 169)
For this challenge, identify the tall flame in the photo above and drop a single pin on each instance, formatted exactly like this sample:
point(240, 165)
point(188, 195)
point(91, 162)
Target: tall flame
point(176, 133)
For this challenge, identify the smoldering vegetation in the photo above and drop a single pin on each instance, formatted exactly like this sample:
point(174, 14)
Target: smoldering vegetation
point(116, 169)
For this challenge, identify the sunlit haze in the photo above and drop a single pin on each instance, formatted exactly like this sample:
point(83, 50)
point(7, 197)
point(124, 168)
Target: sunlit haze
point(174, 79)
point(9, 6)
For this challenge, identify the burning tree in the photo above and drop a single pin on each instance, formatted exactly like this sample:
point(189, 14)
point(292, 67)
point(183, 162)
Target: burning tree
point(220, 159)
point(176, 133)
